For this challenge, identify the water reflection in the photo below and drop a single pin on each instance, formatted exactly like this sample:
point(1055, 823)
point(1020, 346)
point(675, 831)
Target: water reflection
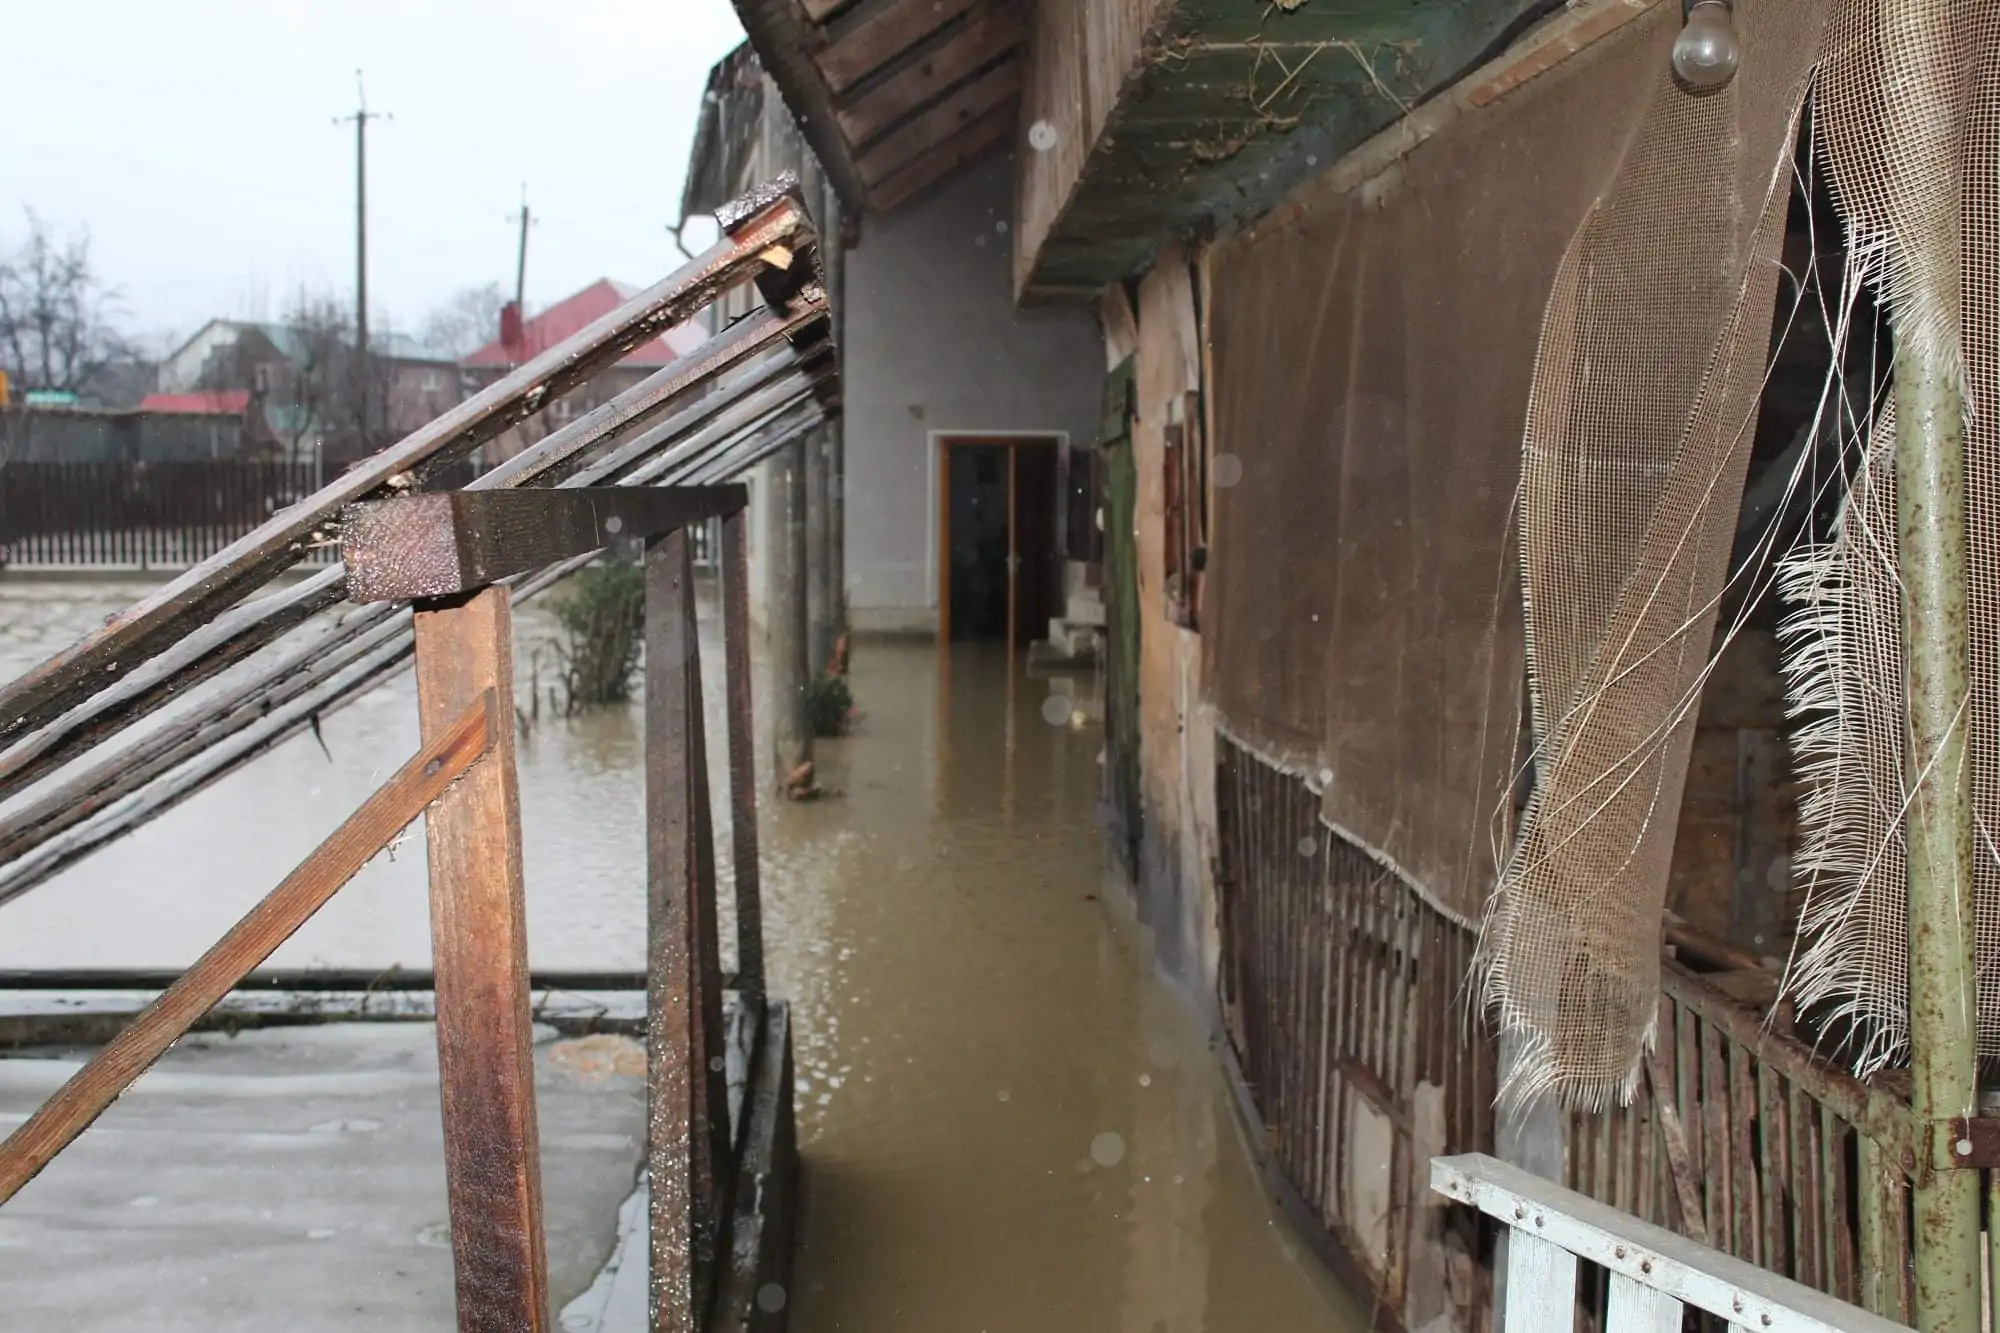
point(1007, 1122)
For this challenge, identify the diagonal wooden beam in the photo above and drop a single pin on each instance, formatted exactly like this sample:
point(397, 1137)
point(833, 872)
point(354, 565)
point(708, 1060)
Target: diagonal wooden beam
point(170, 614)
point(249, 942)
point(986, 35)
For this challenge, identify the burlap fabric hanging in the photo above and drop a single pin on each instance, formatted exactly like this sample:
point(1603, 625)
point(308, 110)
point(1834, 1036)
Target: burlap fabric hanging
point(1652, 355)
point(1913, 148)
point(1373, 346)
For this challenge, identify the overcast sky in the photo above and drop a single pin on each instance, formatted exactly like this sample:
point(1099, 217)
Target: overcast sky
point(195, 140)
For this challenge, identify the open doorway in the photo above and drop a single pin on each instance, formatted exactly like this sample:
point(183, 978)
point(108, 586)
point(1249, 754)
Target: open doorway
point(998, 571)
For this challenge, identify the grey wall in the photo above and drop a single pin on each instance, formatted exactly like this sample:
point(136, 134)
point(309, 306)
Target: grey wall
point(934, 344)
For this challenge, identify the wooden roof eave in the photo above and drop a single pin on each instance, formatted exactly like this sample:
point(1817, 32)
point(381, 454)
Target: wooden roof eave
point(784, 42)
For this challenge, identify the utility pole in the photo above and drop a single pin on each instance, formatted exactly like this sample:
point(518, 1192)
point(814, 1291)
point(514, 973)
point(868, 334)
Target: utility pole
point(521, 261)
point(360, 118)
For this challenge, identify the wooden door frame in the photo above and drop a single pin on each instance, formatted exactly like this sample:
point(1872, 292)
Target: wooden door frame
point(941, 442)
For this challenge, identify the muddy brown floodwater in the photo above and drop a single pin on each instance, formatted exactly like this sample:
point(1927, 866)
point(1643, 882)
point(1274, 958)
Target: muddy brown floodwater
point(1008, 1122)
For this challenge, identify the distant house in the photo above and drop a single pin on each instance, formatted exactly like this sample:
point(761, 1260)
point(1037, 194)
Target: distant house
point(543, 331)
point(302, 382)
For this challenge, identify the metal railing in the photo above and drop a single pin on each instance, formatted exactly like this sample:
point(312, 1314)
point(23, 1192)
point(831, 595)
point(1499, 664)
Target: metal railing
point(1653, 1275)
point(432, 577)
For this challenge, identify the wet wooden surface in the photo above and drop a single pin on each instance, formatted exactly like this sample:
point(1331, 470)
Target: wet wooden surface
point(687, 1111)
point(454, 541)
point(480, 957)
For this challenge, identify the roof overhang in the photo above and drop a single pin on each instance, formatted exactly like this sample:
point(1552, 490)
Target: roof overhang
point(1222, 107)
point(894, 96)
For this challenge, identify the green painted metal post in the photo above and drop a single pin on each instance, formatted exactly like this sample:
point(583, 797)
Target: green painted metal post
point(1932, 543)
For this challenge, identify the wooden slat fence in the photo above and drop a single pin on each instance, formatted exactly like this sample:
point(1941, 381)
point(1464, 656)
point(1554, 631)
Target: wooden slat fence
point(1344, 997)
point(141, 515)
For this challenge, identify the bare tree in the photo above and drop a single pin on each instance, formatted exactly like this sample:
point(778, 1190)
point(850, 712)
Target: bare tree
point(467, 322)
point(57, 329)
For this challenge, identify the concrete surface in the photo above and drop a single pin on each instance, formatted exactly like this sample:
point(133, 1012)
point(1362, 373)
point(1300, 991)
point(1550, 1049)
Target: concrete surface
point(294, 1179)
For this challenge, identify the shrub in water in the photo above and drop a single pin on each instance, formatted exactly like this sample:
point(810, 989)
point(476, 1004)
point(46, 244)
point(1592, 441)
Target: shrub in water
point(602, 612)
point(828, 702)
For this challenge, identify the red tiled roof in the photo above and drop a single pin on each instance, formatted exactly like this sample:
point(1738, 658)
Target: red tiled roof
point(566, 317)
point(204, 403)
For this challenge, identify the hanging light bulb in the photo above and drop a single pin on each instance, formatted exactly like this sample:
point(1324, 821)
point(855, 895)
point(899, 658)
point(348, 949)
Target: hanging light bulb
point(1706, 53)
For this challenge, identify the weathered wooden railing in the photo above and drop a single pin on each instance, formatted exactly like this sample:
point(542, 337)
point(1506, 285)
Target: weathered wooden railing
point(1653, 1274)
point(434, 575)
point(1360, 1053)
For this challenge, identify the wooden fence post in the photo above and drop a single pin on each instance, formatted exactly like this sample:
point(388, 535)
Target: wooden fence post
point(486, 1066)
point(687, 1116)
point(742, 758)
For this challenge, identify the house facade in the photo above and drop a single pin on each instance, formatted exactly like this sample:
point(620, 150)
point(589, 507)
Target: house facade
point(937, 361)
point(1461, 374)
point(301, 379)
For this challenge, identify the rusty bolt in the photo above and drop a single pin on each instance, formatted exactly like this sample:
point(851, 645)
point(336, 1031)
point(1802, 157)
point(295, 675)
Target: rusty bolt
point(1645, 1265)
point(1538, 1219)
point(1620, 1252)
point(1520, 1213)
point(431, 769)
point(1766, 1321)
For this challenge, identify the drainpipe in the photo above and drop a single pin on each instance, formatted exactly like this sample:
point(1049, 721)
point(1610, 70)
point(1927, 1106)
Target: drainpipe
point(1932, 550)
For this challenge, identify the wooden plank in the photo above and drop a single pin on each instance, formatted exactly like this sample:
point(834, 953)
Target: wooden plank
point(454, 541)
point(1774, 1141)
point(1842, 1242)
point(249, 942)
point(935, 128)
point(1541, 1284)
point(881, 39)
point(983, 38)
point(1743, 1158)
point(1808, 1240)
point(687, 1148)
point(1636, 1308)
point(1715, 1137)
point(169, 614)
point(742, 756)
point(479, 944)
point(1724, 1286)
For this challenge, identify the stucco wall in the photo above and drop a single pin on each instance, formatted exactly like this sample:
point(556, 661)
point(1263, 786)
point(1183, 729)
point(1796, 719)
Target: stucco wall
point(934, 343)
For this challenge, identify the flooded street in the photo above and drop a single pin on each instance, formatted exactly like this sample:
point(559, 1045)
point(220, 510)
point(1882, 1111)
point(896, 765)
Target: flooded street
point(1007, 1122)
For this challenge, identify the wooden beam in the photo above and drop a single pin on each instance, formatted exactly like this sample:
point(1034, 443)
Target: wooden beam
point(171, 613)
point(971, 144)
point(881, 39)
point(479, 946)
point(687, 1113)
point(983, 38)
point(933, 129)
point(249, 942)
point(454, 541)
point(819, 11)
point(742, 756)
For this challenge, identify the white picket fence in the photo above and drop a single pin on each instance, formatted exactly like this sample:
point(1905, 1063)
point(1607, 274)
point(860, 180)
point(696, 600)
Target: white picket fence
point(1655, 1274)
